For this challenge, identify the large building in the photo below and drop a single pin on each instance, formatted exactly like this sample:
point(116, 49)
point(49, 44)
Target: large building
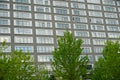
point(34, 25)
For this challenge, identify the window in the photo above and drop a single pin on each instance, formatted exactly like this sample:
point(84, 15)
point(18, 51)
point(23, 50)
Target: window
point(86, 50)
point(78, 12)
point(118, 3)
point(45, 49)
point(22, 22)
point(43, 24)
point(47, 40)
point(4, 13)
point(97, 27)
point(78, 5)
point(8, 49)
point(80, 26)
point(62, 18)
point(94, 7)
point(61, 11)
point(23, 31)
point(22, 1)
point(82, 33)
point(44, 32)
point(79, 19)
point(44, 58)
point(113, 28)
point(22, 7)
point(24, 48)
point(97, 57)
point(111, 15)
point(96, 14)
point(62, 25)
point(5, 38)
point(96, 20)
point(4, 6)
point(109, 8)
point(60, 32)
point(43, 16)
point(42, 2)
point(42, 9)
point(4, 0)
point(99, 41)
point(4, 30)
point(60, 3)
point(22, 15)
point(98, 34)
point(98, 49)
point(114, 35)
point(86, 41)
point(108, 2)
point(21, 39)
point(4, 22)
point(78, 0)
point(112, 21)
point(94, 1)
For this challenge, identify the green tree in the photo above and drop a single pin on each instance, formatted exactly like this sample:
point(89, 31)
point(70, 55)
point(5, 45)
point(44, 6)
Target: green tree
point(17, 65)
point(66, 63)
point(108, 67)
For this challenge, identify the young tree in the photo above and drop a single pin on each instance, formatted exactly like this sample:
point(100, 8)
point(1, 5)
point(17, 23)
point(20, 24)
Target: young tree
point(66, 63)
point(108, 67)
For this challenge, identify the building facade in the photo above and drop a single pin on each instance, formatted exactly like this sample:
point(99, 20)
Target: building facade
point(34, 25)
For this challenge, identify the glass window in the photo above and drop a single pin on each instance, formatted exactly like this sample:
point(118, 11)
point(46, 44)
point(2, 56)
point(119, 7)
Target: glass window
point(60, 3)
point(96, 14)
point(25, 48)
point(114, 35)
point(8, 49)
point(21, 39)
point(22, 23)
point(94, 1)
point(82, 33)
point(86, 50)
point(5, 38)
point(80, 26)
point(97, 27)
point(61, 10)
point(4, 22)
point(97, 57)
point(42, 9)
point(108, 2)
point(98, 34)
point(42, 2)
point(4, 0)
point(22, 31)
point(45, 49)
point(4, 30)
point(109, 8)
point(99, 41)
point(113, 28)
point(45, 40)
point(96, 20)
point(22, 1)
point(111, 15)
point(4, 13)
point(98, 49)
point(62, 18)
point(44, 58)
point(22, 7)
point(4, 6)
point(118, 3)
point(94, 7)
point(86, 41)
point(78, 12)
point(44, 32)
point(78, 5)
point(43, 16)
point(43, 24)
point(22, 15)
point(60, 32)
point(112, 21)
point(79, 19)
point(62, 25)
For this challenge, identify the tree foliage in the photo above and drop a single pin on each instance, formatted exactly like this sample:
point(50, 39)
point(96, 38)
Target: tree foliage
point(66, 63)
point(108, 67)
